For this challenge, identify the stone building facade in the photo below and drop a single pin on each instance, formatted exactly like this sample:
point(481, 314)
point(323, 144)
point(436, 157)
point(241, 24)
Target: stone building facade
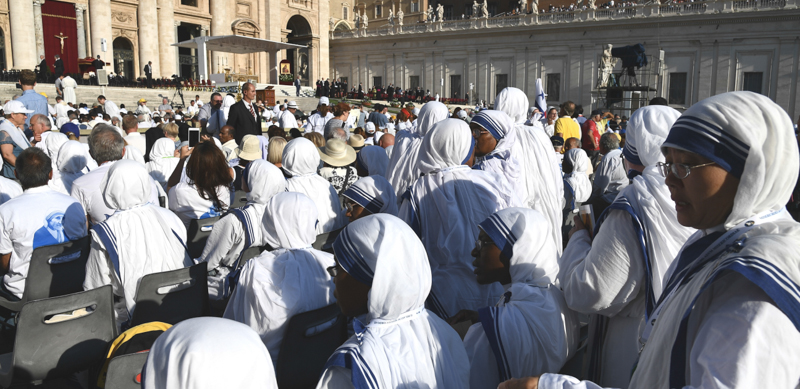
point(129, 33)
point(696, 50)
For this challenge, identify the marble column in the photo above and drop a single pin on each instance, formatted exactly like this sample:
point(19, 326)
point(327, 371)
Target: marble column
point(100, 24)
point(204, 53)
point(148, 33)
point(81, 30)
point(177, 54)
point(22, 34)
point(37, 26)
point(166, 37)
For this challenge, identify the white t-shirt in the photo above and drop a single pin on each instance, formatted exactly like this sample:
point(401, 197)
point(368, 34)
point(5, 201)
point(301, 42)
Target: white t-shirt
point(187, 203)
point(8, 189)
point(87, 191)
point(39, 217)
point(136, 139)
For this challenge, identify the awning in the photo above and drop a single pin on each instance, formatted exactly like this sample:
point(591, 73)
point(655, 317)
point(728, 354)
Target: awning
point(238, 45)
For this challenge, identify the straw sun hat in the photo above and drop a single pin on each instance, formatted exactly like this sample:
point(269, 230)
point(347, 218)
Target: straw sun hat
point(337, 153)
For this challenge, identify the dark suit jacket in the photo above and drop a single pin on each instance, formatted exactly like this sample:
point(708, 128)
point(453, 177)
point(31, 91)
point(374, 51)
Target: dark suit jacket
point(59, 67)
point(243, 122)
point(148, 70)
point(98, 64)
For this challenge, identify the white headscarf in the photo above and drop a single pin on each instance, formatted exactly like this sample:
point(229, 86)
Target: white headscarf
point(301, 160)
point(53, 143)
point(162, 161)
point(227, 103)
point(289, 280)
point(610, 176)
point(502, 160)
point(577, 179)
point(133, 154)
point(751, 137)
point(402, 345)
point(71, 162)
point(445, 207)
point(206, 353)
point(264, 180)
point(648, 197)
point(541, 170)
point(136, 234)
point(373, 159)
point(402, 170)
point(373, 193)
point(530, 330)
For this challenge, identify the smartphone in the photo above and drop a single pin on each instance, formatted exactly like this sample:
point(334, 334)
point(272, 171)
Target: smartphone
point(587, 217)
point(194, 136)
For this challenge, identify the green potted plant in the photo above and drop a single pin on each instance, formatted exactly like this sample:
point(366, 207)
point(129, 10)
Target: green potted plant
point(366, 102)
point(395, 103)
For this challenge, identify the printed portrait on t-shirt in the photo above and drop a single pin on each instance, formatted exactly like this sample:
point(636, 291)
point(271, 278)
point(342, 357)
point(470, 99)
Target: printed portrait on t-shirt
point(52, 232)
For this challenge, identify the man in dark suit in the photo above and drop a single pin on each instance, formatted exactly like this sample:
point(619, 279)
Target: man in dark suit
point(43, 70)
point(58, 66)
point(148, 71)
point(326, 88)
point(245, 116)
point(98, 63)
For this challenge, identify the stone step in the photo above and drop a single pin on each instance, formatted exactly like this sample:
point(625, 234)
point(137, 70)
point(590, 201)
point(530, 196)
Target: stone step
point(130, 96)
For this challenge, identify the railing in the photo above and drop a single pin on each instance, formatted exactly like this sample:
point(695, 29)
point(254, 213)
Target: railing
point(672, 9)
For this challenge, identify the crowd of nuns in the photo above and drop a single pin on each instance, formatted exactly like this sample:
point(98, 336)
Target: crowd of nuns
point(452, 268)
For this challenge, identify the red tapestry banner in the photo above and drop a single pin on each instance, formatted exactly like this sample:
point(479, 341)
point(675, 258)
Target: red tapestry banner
point(60, 29)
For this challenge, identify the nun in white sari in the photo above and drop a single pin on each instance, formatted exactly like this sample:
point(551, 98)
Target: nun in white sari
point(208, 353)
point(577, 187)
point(729, 313)
point(402, 170)
point(372, 160)
point(162, 161)
point(503, 160)
point(540, 172)
point(241, 229)
point(71, 163)
point(373, 194)
point(301, 161)
point(445, 206)
point(287, 281)
point(530, 331)
point(138, 239)
point(619, 275)
point(52, 144)
point(381, 263)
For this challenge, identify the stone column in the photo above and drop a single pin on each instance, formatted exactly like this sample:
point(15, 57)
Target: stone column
point(148, 34)
point(204, 55)
point(81, 30)
point(100, 24)
point(37, 26)
point(177, 54)
point(221, 25)
point(22, 34)
point(166, 37)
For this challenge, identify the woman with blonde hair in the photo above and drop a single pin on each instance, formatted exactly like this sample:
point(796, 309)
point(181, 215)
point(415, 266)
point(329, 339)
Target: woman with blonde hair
point(275, 150)
point(316, 138)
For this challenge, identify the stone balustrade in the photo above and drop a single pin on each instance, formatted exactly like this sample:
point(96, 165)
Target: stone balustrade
point(576, 16)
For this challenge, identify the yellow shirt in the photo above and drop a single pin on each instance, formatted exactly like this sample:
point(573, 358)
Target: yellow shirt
point(566, 128)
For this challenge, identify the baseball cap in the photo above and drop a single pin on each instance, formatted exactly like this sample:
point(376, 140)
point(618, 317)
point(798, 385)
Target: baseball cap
point(15, 106)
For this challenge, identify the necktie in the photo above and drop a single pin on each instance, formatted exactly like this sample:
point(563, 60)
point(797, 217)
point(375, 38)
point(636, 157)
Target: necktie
point(252, 112)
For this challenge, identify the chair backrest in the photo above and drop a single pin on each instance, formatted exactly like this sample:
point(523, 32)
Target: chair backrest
point(251, 253)
point(197, 235)
point(325, 240)
point(239, 199)
point(45, 348)
point(124, 371)
point(304, 351)
point(172, 296)
point(57, 270)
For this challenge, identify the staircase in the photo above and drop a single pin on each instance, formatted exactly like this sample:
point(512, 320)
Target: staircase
point(130, 96)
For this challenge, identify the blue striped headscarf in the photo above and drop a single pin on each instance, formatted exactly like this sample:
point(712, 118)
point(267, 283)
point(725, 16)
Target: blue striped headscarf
point(496, 122)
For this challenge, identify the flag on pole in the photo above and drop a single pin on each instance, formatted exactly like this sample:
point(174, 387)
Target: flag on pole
point(541, 102)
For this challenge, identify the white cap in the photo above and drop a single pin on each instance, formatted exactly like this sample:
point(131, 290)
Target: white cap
point(462, 114)
point(15, 106)
point(370, 128)
point(324, 100)
point(292, 104)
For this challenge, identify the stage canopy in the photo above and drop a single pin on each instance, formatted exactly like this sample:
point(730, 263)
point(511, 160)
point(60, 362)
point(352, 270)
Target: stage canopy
point(238, 45)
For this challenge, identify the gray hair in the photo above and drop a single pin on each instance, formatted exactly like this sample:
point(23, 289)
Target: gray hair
point(105, 144)
point(340, 134)
point(609, 142)
point(41, 119)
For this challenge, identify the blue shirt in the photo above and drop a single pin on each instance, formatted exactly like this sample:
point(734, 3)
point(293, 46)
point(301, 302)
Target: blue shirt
point(36, 102)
